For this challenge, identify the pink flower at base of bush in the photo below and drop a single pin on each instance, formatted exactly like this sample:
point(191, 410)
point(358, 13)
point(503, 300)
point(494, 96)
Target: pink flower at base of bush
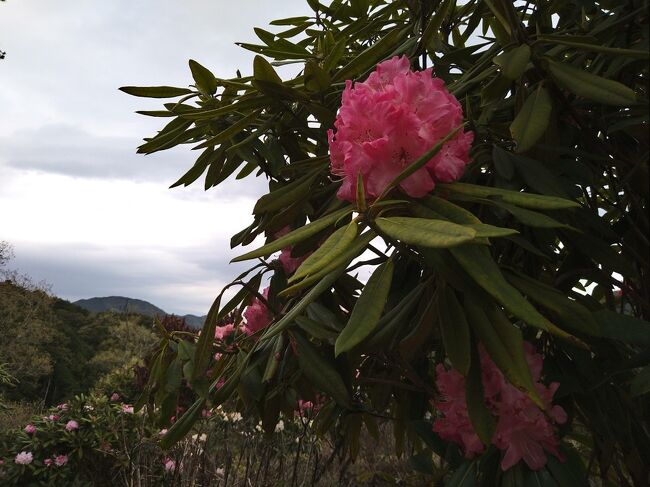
point(115, 397)
point(523, 431)
point(53, 417)
point(127, 409)
point(30, 429)
point(60, 460)
point(169, 464)
point(24, 458)
point(390, 120)
point(48, 462)
point(71, 425)
point(257, 315)
point(62, 406)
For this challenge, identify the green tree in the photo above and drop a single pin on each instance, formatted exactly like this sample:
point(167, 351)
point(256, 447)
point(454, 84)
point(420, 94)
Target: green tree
point(545, 240)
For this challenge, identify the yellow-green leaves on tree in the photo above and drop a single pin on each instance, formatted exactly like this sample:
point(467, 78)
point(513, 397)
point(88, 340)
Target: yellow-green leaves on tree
point(204, 79)
point(526, 200)
point(532, 120)
point(590, 86)
point(504, 344)
point(316, 78)
point(319, 370)
point(480, 416)
point(454, 330)
point(263, 71)
point(326, 253)
point(155, 91)
point(513, 63)
point(426, 233)
point(367, 310)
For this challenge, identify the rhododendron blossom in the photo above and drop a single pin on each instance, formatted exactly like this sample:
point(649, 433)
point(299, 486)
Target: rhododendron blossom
point(257, 315)
point(523, 431)
point(390, 120)
point(24, 458)
point(288, 262)
point(60, 460)
point(30, 429)
point(71, 425)
point(222, 332)
point(169, 464)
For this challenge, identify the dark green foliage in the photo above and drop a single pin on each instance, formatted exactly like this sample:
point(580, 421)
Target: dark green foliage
point(549, 220)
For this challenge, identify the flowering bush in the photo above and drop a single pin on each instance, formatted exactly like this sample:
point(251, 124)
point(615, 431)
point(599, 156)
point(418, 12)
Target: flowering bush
point(433, 255)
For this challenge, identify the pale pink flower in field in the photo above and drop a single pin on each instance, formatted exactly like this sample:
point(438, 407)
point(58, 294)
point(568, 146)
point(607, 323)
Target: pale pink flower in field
point(48, 462)
point(30, 429)
point(387, 122)
point(162, 432)
point(60, 460)
point(169, 464)
point(115, 397)
point(62, 407)
point(126, 408)
point(53, 417)
point(24, 458)
point(71, 425)
point(257, 315)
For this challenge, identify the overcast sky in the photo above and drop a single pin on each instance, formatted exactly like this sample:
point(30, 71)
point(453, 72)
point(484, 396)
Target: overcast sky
point(81, 209)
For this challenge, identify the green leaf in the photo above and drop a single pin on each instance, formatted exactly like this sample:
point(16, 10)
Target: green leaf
point(370, 56)
point(425, 233)
point(513, 63)
point(479, 415)
point(454, 330)
point(526, 200)
point(455, 213)
point(478, 263)
point(316, 79)
point(295, 236)
point(567, 41)
point(465, 475)
point(184, 424)
point(339, 263)
point(263, 71)
point(231, 131)
point(531, 218)
point(273, 361)
point(203, 77)
point(590, 86)
point(503, 343)
point(571, 313)
point(334, 246)
point(320, 371)
point(286, 195)
point(367, 310)
point(622, 327)
point(640, 384)
point(484, 230)
point(155, 91)
point(532, 120)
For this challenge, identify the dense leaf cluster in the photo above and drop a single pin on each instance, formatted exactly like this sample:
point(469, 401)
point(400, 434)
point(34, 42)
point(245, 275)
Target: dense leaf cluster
point(545, 239)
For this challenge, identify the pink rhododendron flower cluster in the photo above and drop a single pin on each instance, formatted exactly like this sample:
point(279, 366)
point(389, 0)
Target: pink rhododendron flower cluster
point(222, 332)
point(115, 397)
point(169, 464)
point(30, 429)
point(257, 315)
point(71, 425)
point(60, 460)
point(389, 121)
point(523, 431)
point(24, 458)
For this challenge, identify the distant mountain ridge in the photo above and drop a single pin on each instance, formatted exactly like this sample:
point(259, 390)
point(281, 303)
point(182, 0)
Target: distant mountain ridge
point(122, 304)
